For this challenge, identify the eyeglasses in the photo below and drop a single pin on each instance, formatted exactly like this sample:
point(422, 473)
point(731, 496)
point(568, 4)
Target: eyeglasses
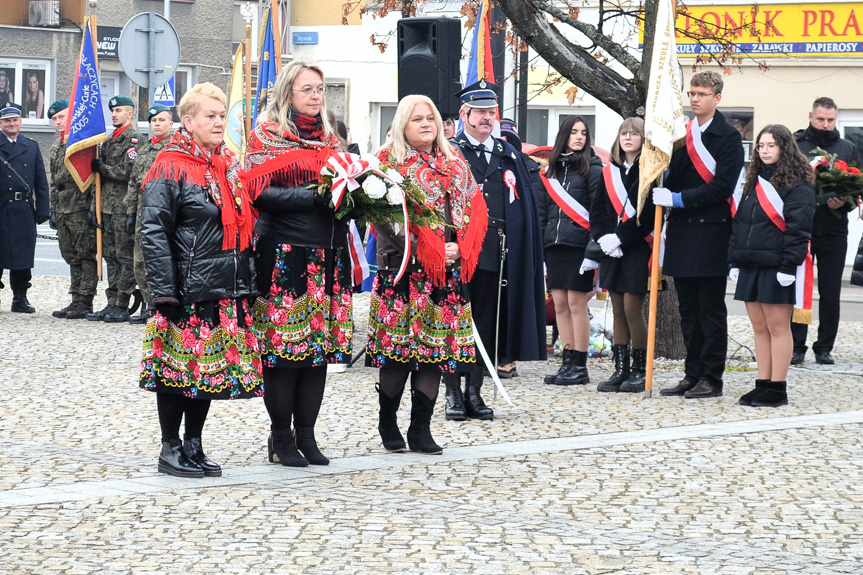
point(308, 91)
point(630, 134)
point(765, 147)
point(697, 95)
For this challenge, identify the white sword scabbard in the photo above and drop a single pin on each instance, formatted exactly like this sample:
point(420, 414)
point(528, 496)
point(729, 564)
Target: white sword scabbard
point(492, 369)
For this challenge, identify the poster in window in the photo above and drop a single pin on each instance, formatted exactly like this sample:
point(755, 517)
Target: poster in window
point(7, 83)
point(33, 94)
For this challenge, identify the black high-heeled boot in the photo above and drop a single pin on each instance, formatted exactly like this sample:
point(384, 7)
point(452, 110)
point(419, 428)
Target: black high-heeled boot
point(309, 447)
point(419, 432)
point(195, 451)
point(173, 460)
point(282, 448)
point(388, 425)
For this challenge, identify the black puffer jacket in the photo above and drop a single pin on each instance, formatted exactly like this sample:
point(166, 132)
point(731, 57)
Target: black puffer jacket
point(857, 270)
point(756, 242)
point(291, 215)
point(181, 237)
point(557, 228)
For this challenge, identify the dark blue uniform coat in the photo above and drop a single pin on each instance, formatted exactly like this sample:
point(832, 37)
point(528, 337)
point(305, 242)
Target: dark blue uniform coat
point(18, 218)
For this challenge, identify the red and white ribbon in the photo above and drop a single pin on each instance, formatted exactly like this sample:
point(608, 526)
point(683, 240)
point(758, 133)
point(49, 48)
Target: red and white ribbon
point(737, 194)
point(359, 264)
point(565, 202)
point(804, 286)
point(347, 168)
point(771, 202)
point(704, 163)
point(617, 192)
point(509, 180)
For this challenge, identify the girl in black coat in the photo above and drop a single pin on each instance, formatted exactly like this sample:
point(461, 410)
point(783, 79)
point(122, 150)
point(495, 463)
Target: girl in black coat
point(575, 170)
point(765, 251)
point(624, 237)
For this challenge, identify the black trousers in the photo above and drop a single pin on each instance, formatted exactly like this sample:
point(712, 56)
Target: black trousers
point(18, 279)
point(704, 321)
point(829, 255)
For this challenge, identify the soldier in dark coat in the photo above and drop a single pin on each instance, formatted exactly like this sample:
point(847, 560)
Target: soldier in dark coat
point(23, 204)
point(160, 120)
point(115, 166)
point(500, 171)
point(702, 177)
point(69, 207)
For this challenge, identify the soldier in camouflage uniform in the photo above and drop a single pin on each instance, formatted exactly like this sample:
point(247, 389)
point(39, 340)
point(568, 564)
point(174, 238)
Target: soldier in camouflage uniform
point(115, 166)
point(160, 120)
point(69, 209)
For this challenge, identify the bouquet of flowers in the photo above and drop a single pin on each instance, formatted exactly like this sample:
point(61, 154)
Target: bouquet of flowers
point(365, 190)
point(835, 178)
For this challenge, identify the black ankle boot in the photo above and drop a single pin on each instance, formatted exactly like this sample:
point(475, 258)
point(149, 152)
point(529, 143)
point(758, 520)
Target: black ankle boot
point(388, 425)
point(309, 447)
point(563, 370)
point(474, 406)
point(282, 448)
point(20, 303)
point(577, 373)
point(620, 354)
point(419, 432)
point(635, 382)
point(760, 385)
point(173, 460)
point(142, 316)
point(195, 451)
point(774, 395)
point(454, 410)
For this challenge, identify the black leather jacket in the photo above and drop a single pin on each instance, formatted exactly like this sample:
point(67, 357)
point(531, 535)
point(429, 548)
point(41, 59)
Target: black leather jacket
point(557, 228)
point(181, 237)
point(291, 215)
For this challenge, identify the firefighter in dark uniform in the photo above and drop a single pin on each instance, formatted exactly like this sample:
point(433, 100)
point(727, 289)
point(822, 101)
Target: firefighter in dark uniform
point(506, 292)
point(115, 166)
point(23, 204)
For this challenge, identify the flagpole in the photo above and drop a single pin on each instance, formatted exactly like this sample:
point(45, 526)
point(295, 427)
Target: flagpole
point(654, 296)
point(247, 12)
point(277, 34)
point(93, 29)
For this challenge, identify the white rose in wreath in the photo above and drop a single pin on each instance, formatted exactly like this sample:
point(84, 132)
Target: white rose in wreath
point(395, 195)
point(374, 187)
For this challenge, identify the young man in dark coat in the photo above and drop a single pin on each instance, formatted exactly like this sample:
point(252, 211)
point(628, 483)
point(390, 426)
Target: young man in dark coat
point(514, 225)
point(702, 177)
point(829, 235)
point(23, 204)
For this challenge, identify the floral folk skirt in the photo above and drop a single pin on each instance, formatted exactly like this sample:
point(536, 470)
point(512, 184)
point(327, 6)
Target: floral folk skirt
point(414, 325)
point(304, 315)
point(205, 350)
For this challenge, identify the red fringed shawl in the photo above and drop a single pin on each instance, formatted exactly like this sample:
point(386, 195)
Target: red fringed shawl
point(183, 160)
point(277, 156)
point(433, 177)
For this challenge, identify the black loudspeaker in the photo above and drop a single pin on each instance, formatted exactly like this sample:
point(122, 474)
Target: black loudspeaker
point(429, 50)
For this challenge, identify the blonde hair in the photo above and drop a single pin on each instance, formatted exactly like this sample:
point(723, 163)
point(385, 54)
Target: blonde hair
point(279, 108)
point(191, 100)
point(399, 145)
point(628, 125)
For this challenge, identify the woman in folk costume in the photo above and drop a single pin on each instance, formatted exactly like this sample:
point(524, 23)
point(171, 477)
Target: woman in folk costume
point(569, 184)
point(420, 325)
point(196, 236)
point(624, 272)
point(303, 315)
point(769, 241)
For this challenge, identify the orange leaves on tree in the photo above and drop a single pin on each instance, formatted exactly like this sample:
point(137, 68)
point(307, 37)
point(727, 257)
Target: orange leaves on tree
point(571, 93)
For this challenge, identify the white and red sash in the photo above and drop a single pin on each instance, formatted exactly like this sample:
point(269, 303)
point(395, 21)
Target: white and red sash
point(359, 264)
point(772, 204)
point(704, 163)
point(565, 202)
point(737, 195)
point(617, 192)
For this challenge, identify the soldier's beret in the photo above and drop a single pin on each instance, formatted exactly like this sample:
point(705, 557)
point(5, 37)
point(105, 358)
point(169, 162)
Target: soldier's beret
point(57, 106)
point(156, 109)
point(10, 111)
point(120, 101)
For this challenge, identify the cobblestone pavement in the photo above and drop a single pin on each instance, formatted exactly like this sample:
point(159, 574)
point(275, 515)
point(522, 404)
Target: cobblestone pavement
point(567, 480)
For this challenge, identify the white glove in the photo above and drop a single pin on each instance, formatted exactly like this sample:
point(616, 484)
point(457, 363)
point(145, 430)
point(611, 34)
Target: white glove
point(588, 265)
point(785, 280)
point(662, 197)
point(733, 274)
point(609, 243)
point(615, 253)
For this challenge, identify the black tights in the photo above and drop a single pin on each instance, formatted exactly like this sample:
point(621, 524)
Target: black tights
point(294, 393)
point(171, 408)
point(629, 325)
point(392, 382)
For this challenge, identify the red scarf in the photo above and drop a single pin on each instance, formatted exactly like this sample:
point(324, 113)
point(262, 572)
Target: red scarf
point(120, 130)
point(280, 156)
point(433, 177)
point(184, 160)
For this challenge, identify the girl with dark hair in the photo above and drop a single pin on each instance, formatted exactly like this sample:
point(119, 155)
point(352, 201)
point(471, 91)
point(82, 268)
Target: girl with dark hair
point(626, 238)
point(769, 240)
point(570, 182)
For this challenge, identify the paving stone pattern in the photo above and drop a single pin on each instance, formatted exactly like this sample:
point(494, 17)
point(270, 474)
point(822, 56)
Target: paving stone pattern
point(567, 480)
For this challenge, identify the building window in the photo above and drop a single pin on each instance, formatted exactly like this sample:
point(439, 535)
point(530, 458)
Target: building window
point(28, 83)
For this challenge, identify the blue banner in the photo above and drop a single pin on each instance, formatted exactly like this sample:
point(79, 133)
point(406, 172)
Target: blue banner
point(266, 70)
